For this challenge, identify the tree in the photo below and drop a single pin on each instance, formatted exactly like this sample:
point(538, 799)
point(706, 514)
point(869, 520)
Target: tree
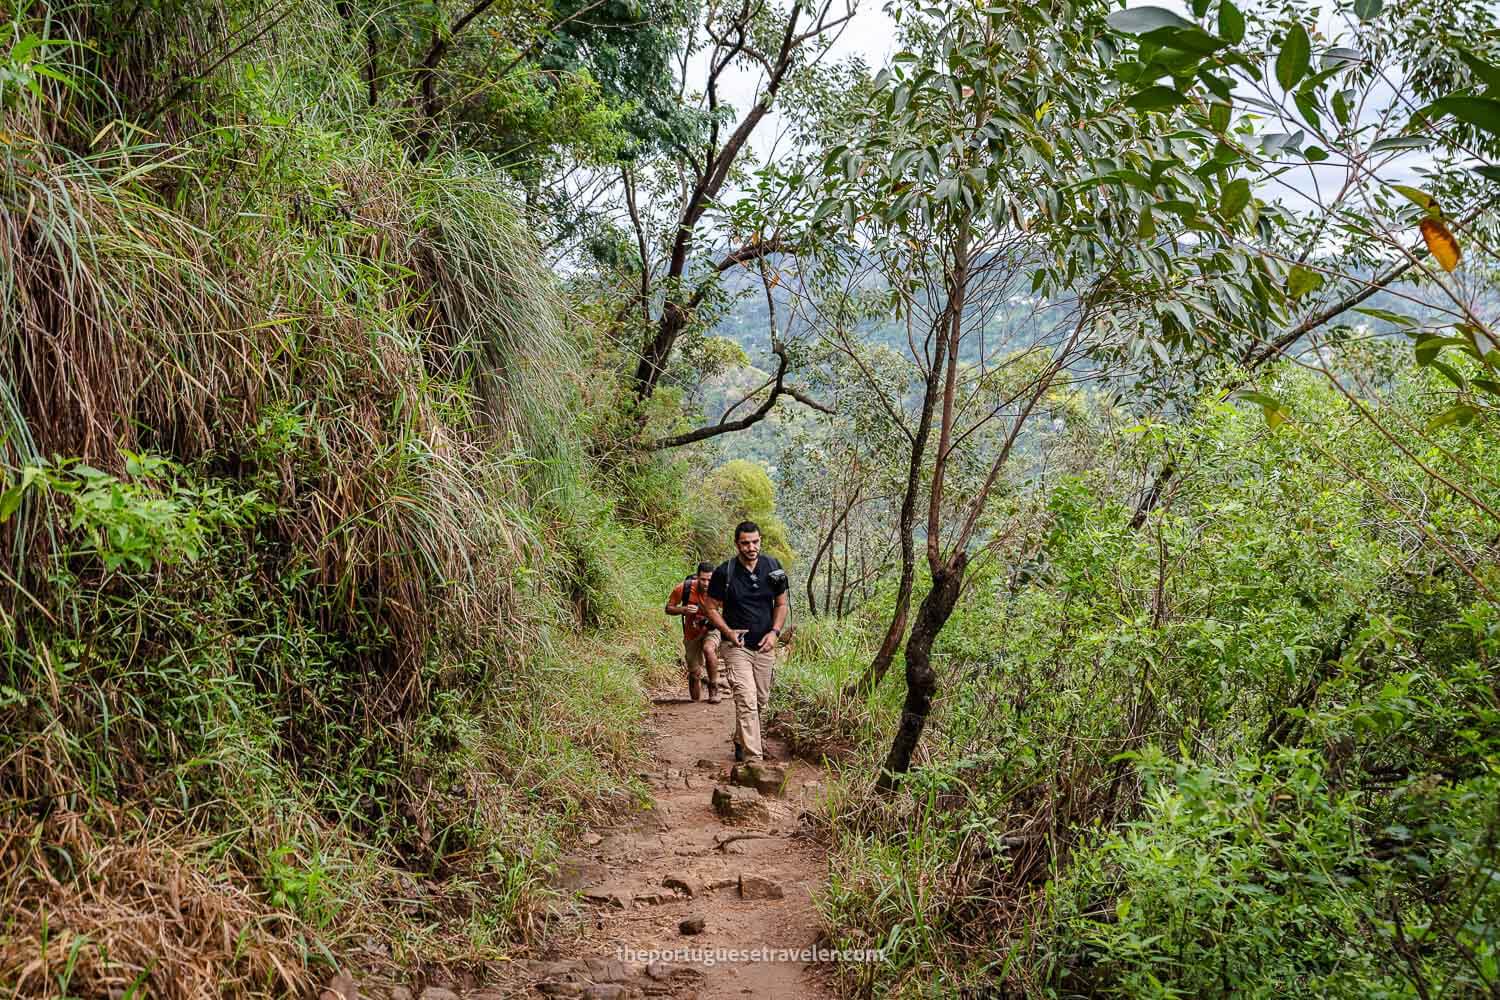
point(675, 284)
point(1331, 122)
point(742, 491)
point(976, 179)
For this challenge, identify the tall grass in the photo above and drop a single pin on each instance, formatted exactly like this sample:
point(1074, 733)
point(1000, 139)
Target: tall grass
point(304, 552)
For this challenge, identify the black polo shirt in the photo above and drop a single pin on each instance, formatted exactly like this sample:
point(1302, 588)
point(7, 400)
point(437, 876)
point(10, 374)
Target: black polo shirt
point(748, 598)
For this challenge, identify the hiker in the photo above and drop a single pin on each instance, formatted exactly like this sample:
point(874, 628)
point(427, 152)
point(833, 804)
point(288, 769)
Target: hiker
point(748, 605)
point(699, 639)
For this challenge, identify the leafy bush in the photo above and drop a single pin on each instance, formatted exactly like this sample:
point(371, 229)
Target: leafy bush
point(1242, 750)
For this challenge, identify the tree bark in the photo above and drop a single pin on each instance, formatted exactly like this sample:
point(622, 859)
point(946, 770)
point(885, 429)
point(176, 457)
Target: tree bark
point(876, 671)
point(812, 578)
point(844, 571)
point(372, 47)
point(921, 678)
point(372, 62)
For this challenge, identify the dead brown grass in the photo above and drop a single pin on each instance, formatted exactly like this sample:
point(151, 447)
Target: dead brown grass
point(119, 912)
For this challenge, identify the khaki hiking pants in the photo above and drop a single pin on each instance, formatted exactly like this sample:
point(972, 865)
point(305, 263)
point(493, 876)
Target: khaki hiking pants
point(696, 655)
point(749, 675)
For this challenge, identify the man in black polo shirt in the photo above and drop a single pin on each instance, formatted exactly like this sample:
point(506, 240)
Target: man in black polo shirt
point(748, 604)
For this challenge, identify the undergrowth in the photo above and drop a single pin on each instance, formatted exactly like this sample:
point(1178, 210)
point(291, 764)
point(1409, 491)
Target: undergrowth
point(1247, 750)
point(307, 555)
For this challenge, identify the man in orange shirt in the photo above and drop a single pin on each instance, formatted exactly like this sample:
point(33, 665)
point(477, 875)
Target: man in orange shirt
point(700, 640)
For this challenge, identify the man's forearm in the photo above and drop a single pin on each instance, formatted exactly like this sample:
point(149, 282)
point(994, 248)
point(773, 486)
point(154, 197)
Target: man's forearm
point(717, 620)
point(778, 616)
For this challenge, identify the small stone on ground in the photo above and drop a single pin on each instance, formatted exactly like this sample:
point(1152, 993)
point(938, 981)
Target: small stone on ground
point(755, 887)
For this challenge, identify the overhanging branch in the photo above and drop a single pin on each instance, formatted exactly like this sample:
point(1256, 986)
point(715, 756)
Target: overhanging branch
point(779, 388)
point(808, 401)
point(1265, 353)
point(752, 251)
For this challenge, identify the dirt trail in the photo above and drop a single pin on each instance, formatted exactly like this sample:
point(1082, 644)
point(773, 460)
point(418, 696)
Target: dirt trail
point(674, 862)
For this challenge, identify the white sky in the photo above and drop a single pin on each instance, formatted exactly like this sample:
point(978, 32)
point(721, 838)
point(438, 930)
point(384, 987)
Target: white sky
point(870, 34)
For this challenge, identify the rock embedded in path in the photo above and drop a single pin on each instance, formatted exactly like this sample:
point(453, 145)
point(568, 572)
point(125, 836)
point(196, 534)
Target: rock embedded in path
point(605, 991)
point(691, 926)
point(740, 806)
point(560, 989)
point(755, 887)
point(768, 779)
point(606, 970)
point(580, 874)
point(664, 971)
point(438, 993)
point(606, 895)
point(678, 885)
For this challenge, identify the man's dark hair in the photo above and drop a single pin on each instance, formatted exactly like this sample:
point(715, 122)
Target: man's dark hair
point(705, 567)
point(744, 528)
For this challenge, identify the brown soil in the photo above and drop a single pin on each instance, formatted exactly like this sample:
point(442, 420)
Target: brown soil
point(674, 861)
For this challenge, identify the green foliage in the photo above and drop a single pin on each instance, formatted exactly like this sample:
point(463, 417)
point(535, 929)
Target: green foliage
point(310, 596)
point(1245, 750)
point(741, 490)
point(156, 517)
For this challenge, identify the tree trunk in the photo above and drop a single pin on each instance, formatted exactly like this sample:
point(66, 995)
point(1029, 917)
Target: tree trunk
point(921, 679)
point(372, 62)
point(812, 577)
point(828, 577)
point(875, 672)
point(653, 362)
point(864, 576)
point(825, 548)
point(886, 654)
point(844, 573)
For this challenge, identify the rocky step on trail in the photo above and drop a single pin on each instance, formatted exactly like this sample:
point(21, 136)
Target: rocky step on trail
point(708, 893)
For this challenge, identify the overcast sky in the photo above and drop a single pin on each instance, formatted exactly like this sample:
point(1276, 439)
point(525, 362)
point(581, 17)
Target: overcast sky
point(870, 35)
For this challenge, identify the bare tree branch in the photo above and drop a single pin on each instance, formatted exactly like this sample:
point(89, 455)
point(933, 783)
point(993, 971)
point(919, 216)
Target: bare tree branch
point(674, 315)
point(778, 389)
point(808, 401)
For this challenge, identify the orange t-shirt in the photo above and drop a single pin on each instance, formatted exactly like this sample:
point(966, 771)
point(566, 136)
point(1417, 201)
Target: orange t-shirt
point(696, 593)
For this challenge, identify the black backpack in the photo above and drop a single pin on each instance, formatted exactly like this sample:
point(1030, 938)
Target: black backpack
point(688, 585)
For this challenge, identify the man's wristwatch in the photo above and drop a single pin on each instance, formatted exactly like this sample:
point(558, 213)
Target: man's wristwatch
point(777, 631)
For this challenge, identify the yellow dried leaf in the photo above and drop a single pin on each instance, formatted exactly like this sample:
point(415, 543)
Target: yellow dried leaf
point(1441, 244)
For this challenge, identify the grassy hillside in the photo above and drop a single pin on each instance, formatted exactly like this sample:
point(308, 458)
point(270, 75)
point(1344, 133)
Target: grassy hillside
point(320, 628)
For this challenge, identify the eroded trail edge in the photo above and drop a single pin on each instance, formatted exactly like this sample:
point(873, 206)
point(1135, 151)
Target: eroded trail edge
point(735, 859)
